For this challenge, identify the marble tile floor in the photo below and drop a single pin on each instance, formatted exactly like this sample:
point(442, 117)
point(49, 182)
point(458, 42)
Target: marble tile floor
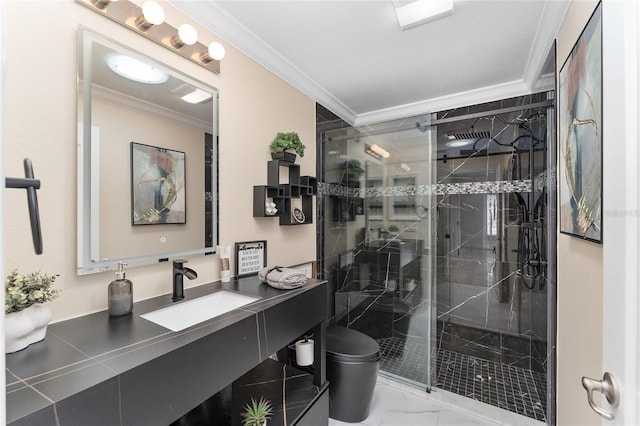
point(396, 405)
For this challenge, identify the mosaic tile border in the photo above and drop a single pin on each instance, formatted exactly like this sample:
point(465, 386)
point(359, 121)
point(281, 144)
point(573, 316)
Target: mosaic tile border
point(545, 179)
point(491, 187)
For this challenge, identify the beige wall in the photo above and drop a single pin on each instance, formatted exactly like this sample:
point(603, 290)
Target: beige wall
point(41, 124)
point(579, 286)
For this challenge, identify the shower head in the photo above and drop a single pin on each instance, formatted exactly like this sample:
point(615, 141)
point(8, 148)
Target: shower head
point(420, 126)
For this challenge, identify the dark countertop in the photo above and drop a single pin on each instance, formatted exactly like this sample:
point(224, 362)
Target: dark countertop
point(127, 370)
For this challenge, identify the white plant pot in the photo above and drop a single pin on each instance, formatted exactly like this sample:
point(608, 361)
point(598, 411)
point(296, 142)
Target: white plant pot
point(25, 327)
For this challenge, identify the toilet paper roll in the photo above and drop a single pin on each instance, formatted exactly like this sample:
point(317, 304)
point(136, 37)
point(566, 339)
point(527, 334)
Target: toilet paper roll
point(304, 352)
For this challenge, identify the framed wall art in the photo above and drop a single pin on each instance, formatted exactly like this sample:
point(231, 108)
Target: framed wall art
point(580, 135)
point(157, 185)
point(251, 256)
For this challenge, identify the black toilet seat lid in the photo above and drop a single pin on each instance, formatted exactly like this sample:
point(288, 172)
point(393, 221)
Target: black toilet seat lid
point(347, 343)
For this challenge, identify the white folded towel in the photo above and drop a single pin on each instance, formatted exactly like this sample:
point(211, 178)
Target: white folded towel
point(282, 278)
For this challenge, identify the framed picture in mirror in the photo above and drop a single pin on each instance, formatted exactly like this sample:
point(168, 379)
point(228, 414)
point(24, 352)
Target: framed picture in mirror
point(157, 185)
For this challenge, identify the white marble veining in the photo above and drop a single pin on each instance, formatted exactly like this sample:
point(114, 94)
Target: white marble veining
point(394, 405)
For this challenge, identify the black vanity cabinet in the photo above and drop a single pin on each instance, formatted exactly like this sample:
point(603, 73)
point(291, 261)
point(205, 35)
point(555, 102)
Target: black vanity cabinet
point(95, 370)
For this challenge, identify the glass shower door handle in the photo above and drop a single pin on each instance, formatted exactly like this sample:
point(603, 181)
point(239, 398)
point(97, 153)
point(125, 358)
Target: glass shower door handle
point(608, 387)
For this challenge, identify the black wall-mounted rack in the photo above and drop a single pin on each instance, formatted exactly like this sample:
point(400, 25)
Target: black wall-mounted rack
point(304, 187)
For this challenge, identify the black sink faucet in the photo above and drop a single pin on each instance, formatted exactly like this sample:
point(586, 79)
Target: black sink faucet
point(178, 271)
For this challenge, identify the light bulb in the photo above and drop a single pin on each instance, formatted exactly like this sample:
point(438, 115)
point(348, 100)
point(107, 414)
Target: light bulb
point(152, 14)
point(216, 51)
point(186, 35)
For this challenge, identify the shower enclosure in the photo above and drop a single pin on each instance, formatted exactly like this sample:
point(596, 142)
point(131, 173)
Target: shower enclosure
point(437, 238)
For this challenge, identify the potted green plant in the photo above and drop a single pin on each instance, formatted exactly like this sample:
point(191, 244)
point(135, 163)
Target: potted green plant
point(26, 317)
point(283, 144)
point(257, 412)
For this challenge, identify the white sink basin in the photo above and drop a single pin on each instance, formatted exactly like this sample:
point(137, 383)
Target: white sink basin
point(191, 312)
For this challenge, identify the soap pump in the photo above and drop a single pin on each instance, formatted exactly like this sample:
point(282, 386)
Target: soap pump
point(120, 293)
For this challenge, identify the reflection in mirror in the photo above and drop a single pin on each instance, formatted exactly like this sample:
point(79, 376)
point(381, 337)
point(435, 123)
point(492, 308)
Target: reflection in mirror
point(161, 126)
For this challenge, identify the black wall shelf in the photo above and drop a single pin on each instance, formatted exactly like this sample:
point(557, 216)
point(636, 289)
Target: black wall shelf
point(282, 194)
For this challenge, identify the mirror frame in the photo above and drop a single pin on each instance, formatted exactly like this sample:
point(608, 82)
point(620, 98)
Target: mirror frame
point(87, 224)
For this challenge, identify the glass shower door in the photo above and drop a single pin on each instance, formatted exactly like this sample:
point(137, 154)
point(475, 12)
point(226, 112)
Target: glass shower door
point(379, 229)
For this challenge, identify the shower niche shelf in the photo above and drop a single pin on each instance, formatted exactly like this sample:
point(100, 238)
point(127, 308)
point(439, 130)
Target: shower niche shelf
point(285, 195)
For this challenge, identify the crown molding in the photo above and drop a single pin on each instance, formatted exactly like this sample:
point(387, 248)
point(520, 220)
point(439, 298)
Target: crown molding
point(545, 82)
point(122, 100)
point(553, 15)
point(246, 41)
point(470, 97)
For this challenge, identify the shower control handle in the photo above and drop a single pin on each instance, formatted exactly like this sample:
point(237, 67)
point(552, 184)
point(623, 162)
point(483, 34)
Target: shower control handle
point(608, 387)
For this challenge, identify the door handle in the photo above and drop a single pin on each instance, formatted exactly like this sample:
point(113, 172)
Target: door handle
point(608, 387)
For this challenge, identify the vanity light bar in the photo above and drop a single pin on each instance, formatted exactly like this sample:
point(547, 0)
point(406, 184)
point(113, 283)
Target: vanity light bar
point(128, 14)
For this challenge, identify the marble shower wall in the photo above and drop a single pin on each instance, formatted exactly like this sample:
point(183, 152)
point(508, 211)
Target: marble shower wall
point(455, 222)
point(492, 254)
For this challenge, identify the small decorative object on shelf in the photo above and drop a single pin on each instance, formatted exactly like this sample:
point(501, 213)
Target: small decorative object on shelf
point(297, 215)
point(283, 144)
point(257, 412)
point(26, 318)
point(270, 209)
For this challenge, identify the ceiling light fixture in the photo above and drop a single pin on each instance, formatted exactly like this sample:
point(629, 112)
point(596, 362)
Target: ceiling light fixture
point(198, 96)
point(192, 94)
point(136, 70)
point(152, 14)
point(376, 151)
point(459, 142)
point(187, 35)
point(419, 12)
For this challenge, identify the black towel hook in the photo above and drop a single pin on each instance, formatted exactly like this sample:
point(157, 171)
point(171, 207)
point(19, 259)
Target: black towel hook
point(30, 184)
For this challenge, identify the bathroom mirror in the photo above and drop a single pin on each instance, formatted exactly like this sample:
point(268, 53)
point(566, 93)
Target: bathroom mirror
point(147, 159)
